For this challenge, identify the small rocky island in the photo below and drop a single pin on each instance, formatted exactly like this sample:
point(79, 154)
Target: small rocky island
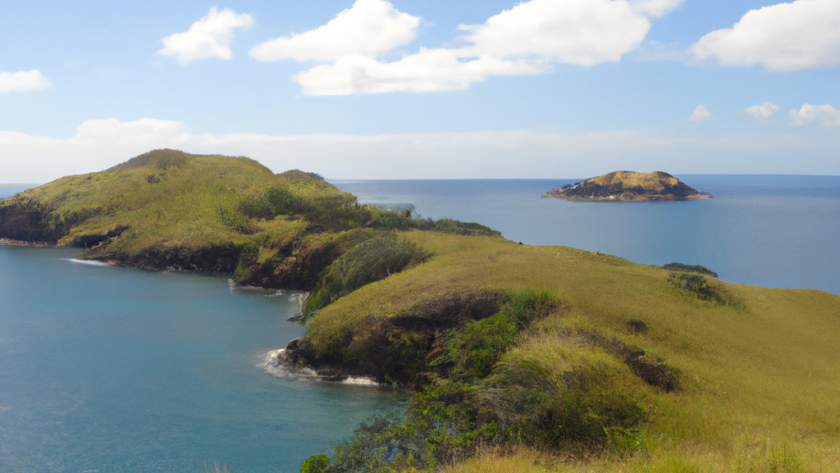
point(629, 186)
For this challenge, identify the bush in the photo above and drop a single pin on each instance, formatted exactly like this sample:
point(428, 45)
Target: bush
point(470, 353)
point(365, 263)
point(555, 394)
point(699, 286)
point(690, 269)
point(439, 426)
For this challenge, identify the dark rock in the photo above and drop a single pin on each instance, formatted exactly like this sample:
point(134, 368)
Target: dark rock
point(637, 326)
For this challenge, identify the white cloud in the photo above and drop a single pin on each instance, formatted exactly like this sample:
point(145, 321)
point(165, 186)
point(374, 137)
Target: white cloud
point(655, 8)
point(765, 110)
point(825, 115)
point(425, 71)
point(579, 32)
point(369, 28)
point(804, 34)
point(699, 114)
point(100, 144)
point(526, 39)
point(208, 37)
point(23, 81)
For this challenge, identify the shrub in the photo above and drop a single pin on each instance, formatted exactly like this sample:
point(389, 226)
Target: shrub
point(698, 286)
point(696, 268)
point(471, 352)
point(555, 394)
point(365, 263)
point(441, 424)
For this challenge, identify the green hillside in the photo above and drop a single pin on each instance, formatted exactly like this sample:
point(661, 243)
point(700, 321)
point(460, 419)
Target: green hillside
point(542, 347)
point(168, 209)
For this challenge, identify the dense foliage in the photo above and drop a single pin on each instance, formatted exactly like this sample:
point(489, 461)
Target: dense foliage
point(369, 261)
point(492, 384)
point(694, 268)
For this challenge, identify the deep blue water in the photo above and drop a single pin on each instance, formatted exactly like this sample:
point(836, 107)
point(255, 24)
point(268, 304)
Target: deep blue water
point(106, 369)
point(777, 231)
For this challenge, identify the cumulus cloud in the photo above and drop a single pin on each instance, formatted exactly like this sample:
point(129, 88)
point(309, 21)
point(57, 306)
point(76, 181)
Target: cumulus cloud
point(369, 28)
point(100, 144)
point(579, 32)
point(22, 81)
point(699, 114)
point(765, 110)
point(524, 40)
point(208, 37)
point(824, 115)
point(655, 8)
point(804, 34)
point(425, 71)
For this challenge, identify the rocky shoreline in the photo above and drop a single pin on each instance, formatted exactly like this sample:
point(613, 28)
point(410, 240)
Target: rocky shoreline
point(10, 242)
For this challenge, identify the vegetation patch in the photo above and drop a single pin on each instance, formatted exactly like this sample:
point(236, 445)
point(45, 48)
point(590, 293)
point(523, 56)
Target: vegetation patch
point(207, 213)
point(700, 287)
point(367, 262)
point(694, 268)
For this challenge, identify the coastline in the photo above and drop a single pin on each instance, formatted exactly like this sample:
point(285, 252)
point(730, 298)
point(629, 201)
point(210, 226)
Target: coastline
point(632, 198)
point(10, 242)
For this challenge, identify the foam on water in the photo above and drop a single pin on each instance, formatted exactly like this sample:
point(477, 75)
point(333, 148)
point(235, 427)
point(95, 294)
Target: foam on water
point(89, 263)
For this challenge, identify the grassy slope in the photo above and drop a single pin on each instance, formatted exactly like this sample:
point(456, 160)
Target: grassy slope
point(167, 209)
point(182, 210)
point(655, 181)
point(762, 374)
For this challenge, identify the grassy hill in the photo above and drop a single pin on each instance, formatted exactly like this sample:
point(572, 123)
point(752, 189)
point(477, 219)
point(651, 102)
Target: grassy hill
point(518, 358)
point(755, 371)
point(168, 209)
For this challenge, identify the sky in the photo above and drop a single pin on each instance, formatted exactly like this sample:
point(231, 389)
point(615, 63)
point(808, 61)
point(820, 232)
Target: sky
point(410, 89)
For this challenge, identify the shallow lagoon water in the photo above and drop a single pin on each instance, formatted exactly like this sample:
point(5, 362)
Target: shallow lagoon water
point(106, 369)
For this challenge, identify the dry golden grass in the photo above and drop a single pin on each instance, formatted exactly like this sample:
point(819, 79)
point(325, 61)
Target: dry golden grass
point(756, 377)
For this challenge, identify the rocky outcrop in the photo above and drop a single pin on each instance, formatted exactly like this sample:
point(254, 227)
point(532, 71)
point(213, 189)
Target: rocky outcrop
point(628, 186)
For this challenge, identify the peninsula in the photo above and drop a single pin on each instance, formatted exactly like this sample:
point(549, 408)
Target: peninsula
point(623, 186)
point(562, 358)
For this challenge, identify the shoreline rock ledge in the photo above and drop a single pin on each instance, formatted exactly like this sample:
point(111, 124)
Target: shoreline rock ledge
point(628, 186)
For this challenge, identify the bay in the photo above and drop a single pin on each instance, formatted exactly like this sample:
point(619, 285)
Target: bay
point(106, 369)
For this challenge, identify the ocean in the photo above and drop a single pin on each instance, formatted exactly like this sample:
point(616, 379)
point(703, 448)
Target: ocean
point(774, 231)
point(106, 369)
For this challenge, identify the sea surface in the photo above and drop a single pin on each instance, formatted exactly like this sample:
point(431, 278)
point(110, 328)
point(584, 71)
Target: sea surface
point(106, 369)
point(775, 231)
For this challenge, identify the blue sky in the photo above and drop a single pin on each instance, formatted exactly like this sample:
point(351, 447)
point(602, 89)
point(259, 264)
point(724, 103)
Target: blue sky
point(545, 88)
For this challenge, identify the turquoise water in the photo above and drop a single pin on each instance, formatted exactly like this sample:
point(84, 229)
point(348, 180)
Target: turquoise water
point(776, 231)
point(106, 369)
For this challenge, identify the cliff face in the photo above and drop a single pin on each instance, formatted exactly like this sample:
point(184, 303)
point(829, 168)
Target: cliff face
point(629, 186)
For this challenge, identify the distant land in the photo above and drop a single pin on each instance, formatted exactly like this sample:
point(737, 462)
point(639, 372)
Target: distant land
point(624, 186)
point(17, 186)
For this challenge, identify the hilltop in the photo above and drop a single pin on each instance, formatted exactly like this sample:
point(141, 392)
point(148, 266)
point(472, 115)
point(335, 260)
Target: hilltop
point(167, 209)
point(628, 186)
point(516, 357)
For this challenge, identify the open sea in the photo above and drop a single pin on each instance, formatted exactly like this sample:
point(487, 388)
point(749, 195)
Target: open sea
point(106, 369)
